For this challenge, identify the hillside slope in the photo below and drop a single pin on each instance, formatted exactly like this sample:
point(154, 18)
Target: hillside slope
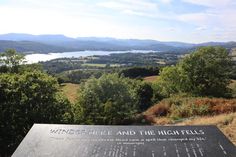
point(30, 46)
point(195, 111)
point(225, 122)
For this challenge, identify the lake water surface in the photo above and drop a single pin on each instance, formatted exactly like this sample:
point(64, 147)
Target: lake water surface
point(35, 58)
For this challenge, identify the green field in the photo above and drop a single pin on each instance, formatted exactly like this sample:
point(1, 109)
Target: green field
point(100, 65)
point(94, 65)
point(70, 90)
point(151, 78)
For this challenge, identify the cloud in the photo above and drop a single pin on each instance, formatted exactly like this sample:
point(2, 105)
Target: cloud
point(137, 5)
point(141, 8)
point(137, 13)
point(210, 3)
point(218, 24)
point(201, 28)
point(41, 20)
point(172, 29)
point(219, 13)
point(197, 18)
point(166, 1)
point(122, 18)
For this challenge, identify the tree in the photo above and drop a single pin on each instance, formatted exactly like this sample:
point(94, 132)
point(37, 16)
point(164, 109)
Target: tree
point(135, 72)
point(107, 100)
point(10, 58)
point(170, 81)
point(205, 72)
point(143, 94)
point(27, 96)
point(25, 99)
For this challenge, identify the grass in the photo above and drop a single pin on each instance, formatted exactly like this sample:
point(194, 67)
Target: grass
point(195, 111)
point(177, 108)
point(151, 78)
point(225, 122)
point(70, 91)
point(100, 65)
point(115, 65)
point(161, 62)
point(94, 65)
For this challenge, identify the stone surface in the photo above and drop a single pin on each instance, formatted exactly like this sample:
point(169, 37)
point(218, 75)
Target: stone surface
point(45, 140)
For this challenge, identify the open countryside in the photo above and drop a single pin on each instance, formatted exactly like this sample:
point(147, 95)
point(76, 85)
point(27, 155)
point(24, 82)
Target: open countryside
point(150, 63)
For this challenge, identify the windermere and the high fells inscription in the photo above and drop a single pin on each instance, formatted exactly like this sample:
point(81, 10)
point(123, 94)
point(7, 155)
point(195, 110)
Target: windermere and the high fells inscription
point(124, 141)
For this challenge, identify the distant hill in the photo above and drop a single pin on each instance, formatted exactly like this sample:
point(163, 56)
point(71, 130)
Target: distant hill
point(39, 38)
point(30, 46)
point(230, 44)
point(61, 43)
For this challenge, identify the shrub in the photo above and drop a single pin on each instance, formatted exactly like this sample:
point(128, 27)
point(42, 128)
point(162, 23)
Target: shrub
point(205, 72)
point(233, 87)
point(28, 98)
point(137, 72)
point(162, 109)
point(188, 110)
point(111, 99)
point(158, 95)
point(144, 94)
point(217, 105)
point(181, 106)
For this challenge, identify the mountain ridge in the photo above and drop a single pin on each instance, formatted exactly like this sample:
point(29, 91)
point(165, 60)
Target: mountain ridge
point(60, 43)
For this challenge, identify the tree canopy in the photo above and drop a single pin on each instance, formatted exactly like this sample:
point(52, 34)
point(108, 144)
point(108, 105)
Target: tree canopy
point(205, 72)
point(11, 59)
point(111, 99)
point(27, 97)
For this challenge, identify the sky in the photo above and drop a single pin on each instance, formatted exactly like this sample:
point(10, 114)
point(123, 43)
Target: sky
point(192, 21)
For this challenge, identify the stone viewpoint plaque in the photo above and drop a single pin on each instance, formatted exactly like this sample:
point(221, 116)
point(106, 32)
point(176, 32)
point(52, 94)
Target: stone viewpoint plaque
point(45, 140)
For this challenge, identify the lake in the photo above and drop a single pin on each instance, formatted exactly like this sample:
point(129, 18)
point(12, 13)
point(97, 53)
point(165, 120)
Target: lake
point(35, 58)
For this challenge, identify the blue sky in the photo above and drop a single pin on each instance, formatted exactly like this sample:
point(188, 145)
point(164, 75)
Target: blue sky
point(165, 20)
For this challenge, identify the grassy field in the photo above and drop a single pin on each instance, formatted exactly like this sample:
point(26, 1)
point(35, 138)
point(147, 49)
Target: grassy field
point(220, 112)
point(151, 78)
point(70, 91)
point(94, 65)
point(225, 122)
point(100, 65)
